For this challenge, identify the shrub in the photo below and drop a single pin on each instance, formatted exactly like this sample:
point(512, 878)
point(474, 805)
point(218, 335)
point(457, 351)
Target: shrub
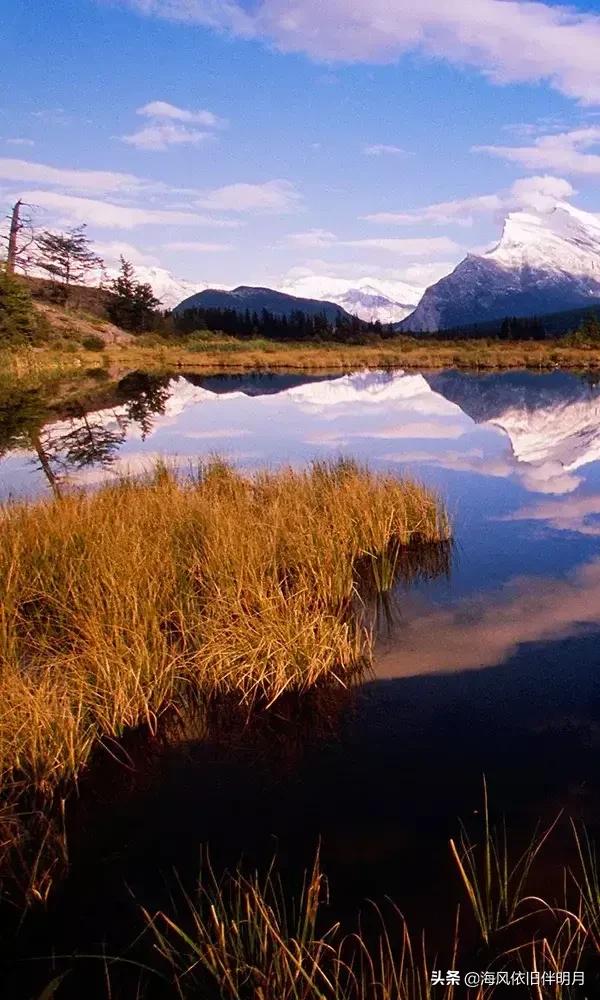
point(93, 343)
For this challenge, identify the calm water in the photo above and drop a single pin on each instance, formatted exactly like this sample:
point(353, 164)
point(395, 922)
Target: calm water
point(493, 669)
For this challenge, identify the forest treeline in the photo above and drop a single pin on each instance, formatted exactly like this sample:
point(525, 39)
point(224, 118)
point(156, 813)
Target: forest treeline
point(298, 326)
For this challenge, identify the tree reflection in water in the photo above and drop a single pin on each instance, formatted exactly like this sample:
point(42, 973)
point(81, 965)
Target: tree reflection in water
point(82, 439)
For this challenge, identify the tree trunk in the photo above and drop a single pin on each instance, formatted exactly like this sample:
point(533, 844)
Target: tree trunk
point(12, 238)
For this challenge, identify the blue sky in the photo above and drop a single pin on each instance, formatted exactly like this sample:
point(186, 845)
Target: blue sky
point(264, 142)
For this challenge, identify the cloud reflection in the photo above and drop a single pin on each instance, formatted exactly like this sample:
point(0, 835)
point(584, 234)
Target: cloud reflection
point(486, 630)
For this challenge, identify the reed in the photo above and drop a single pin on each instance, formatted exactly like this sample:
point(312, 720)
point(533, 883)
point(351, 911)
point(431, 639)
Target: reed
point(244, 937)
point(121, 604)
point(495, 881)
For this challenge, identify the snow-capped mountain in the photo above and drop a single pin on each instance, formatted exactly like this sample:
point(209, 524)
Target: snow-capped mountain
point(369, 298)
point(371, 305)
point(544, 263)
point(166, 287)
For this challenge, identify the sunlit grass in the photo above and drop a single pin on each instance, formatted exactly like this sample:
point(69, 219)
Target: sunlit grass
point(228, 354)
point(120, 604)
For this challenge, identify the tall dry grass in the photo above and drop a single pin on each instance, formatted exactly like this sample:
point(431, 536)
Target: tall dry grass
point(244, 936)
point(120, 604)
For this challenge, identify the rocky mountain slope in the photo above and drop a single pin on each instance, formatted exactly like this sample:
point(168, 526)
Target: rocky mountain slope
point(544, 262)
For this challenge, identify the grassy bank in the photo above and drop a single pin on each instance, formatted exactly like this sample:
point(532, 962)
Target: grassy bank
point(120, 604)
point(214, 352)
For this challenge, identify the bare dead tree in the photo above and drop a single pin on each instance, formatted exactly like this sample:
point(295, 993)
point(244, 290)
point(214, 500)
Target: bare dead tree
point(20, 239)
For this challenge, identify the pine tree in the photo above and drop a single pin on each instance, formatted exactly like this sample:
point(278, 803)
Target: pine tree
point(18, 322)
point(133, 305)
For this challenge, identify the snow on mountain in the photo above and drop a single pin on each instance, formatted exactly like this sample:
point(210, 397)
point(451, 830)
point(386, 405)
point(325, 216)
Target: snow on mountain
point(369, 304)
point(369, 298)
point(544, 263)
point(371, 387)
point(166, 287)
point(552, 425)
point(564, 240)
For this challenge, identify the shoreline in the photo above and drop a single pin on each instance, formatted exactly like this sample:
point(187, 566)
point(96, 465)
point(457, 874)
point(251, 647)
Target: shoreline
point(326, 358)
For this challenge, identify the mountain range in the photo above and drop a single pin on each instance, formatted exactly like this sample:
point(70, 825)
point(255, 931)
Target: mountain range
point(545, 262)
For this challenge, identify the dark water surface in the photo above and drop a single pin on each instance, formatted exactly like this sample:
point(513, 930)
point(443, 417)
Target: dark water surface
point(493, 669)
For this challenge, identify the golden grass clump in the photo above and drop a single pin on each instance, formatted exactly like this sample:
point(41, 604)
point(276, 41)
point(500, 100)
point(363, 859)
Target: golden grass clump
point(120, 603)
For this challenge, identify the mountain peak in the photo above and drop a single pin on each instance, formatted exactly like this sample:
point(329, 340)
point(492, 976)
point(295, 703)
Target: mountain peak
point(544, 262)
point(565, 239)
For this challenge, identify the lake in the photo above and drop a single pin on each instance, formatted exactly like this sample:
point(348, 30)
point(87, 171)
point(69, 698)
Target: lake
point(491, 668)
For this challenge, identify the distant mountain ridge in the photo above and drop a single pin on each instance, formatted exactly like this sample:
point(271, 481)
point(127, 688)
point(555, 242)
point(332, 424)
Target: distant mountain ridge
point(544, 263)
point(255, 299)
point(371, 299)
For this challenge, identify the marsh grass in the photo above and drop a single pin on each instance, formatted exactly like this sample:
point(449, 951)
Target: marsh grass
point(122, 604)
point(243, 936)
point(226, 354)
point(246, 937)
point(494, 881)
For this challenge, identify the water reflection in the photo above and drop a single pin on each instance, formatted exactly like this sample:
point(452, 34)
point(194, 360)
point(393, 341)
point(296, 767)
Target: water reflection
point(515, 455)
point(487, 629)
point(539, 430)
point(58, 450)
point(492, 668)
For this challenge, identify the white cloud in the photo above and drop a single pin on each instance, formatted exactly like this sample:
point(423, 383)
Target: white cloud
point(219, 14)
point(417, 247)
point(575, 513)
point(508, 40)
point(427, 273)
point(537, 193)
point(312, 238)
point(461, 212)
point(162, 109)
point(488, 629)
point(403, 282)
point(169, 126)
point(162, 135)
point(19, 142)
point(112, 251)
point(100, 181)
point(381, 149)
point(278, 196)
point(70, 209)
point(564, 151)
point(194, 246)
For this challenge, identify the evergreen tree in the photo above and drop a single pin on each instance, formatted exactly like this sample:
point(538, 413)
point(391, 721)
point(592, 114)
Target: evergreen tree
point(18, 321)
point(133, 305)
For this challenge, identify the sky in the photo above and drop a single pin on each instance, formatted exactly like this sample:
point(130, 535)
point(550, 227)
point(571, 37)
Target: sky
point(271, 142)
